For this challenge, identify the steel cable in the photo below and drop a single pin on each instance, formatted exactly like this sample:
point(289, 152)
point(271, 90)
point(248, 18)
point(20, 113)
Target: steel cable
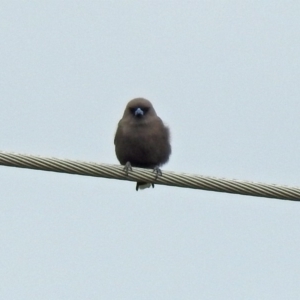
point(168, 178)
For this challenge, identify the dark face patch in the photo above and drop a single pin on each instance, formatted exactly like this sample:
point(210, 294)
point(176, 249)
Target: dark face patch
point(139, 112)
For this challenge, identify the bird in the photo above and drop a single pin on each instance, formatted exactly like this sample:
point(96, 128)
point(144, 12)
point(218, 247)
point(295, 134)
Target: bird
point(142, 139)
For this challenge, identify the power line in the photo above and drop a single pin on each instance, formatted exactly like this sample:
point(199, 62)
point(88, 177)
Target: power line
point(138, 174)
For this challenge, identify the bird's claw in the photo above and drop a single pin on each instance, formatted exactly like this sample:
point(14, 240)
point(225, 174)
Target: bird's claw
point(157, 172)
point(127, 168)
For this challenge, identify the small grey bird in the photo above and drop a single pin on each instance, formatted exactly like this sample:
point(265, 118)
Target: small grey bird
point(142, 140)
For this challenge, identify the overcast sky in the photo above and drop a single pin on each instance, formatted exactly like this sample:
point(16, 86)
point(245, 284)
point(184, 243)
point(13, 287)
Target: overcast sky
point(223, 75)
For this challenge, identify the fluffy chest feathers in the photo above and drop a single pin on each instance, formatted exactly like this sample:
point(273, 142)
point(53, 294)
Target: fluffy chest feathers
point(143, 144)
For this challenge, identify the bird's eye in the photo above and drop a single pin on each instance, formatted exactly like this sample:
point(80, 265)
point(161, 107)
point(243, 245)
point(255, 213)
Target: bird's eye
point(132, 110)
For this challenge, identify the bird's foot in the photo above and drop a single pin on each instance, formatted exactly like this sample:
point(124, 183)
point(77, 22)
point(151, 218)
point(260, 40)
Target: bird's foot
point(157, 172)
point(127, 168)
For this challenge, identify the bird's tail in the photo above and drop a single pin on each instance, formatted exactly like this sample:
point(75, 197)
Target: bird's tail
point(143, 185)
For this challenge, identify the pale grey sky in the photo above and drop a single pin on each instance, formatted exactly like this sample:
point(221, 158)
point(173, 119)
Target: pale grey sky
point(224, 75)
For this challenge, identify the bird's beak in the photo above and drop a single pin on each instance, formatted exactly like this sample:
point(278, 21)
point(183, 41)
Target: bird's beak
point(139, 112)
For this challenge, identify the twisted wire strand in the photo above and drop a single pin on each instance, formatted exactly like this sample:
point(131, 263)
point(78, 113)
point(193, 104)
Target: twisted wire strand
point(145, 175)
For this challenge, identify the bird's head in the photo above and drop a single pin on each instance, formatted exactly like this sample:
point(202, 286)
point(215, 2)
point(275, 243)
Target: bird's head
point(139, 109)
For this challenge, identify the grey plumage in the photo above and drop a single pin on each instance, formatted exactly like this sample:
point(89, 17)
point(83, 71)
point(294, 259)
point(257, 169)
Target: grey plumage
point(142, 140)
